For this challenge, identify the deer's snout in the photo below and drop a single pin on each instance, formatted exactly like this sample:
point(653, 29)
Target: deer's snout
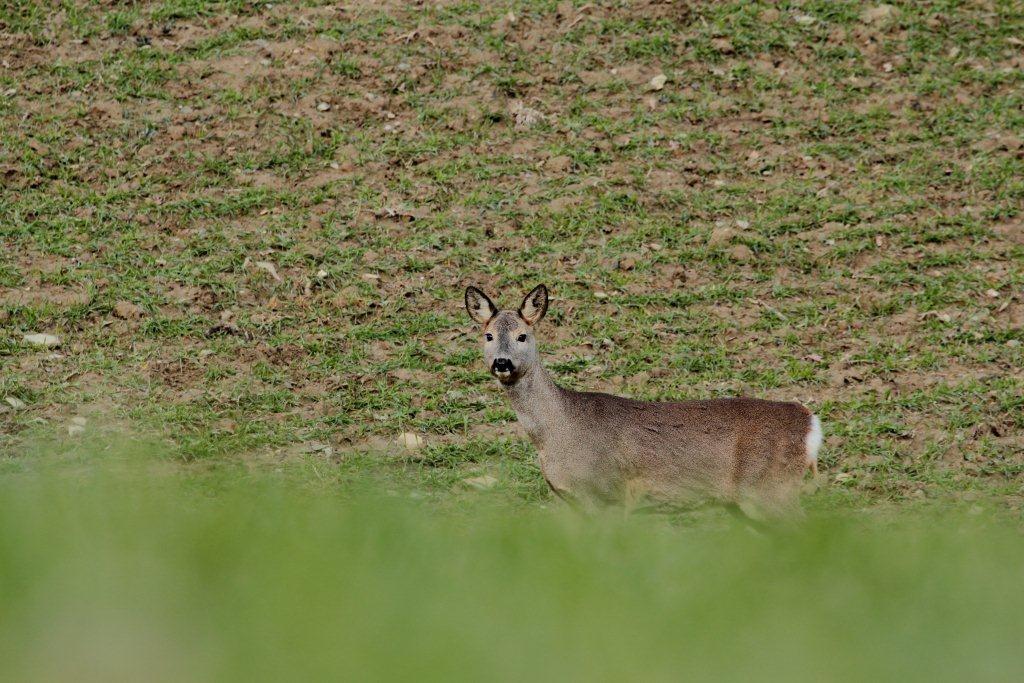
point(502, 365)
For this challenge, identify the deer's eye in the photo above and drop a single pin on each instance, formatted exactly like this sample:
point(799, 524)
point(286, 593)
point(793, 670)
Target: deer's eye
point(522, 337)
point(489, 337)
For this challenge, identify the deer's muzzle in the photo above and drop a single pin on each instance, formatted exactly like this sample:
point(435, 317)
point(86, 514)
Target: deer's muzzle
point(503, 369)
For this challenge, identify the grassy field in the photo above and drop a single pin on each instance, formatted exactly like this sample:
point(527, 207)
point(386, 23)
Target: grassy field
point(249, 225)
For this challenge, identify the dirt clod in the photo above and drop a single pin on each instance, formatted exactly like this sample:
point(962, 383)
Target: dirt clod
point(126, 310)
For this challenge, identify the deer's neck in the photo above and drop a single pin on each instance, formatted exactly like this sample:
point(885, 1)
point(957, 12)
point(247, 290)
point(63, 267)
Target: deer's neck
point(538, 404)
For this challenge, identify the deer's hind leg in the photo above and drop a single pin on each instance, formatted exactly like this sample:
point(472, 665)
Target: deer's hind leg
point(634, 491)
point(770, 493)
point(772, 503)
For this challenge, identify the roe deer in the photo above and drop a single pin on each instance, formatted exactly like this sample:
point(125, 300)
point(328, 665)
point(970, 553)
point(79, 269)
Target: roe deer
point(598, 449)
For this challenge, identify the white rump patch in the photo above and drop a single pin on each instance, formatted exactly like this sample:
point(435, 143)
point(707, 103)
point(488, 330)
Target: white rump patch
point(812, 441)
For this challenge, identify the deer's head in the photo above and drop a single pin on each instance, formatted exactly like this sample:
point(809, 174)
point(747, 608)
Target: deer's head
point(510, 347)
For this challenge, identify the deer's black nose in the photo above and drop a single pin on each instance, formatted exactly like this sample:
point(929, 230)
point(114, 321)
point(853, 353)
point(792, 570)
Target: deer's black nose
point(503, 365)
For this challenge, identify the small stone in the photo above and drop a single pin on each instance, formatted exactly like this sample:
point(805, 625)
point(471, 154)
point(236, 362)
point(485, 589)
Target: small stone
point(48, 341)
point(879, 14)
point(1012, 343)
point(323, 106)
point(410, 441)
point(658, 82)
point(15, 402)
point(481, 483)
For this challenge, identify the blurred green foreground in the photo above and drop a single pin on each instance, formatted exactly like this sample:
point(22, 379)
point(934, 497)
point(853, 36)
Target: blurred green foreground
point(119, 567)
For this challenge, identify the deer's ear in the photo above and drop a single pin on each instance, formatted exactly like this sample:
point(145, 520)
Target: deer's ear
point(535, 305)
point(479, 306)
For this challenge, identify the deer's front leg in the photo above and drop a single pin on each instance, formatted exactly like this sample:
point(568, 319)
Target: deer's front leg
point(562, 485)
